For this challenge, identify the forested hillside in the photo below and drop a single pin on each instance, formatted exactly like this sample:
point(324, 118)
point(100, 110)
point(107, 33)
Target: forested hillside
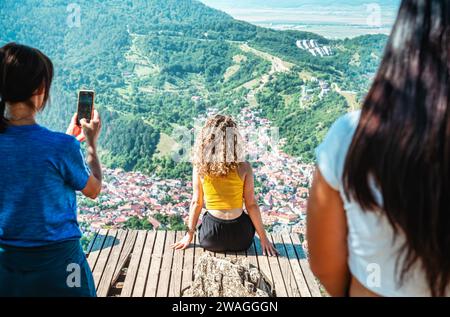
point(156, 64)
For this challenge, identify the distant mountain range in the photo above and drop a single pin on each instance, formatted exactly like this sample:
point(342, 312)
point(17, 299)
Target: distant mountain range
point(159, 64)
point(330, 18)
point(293, 3)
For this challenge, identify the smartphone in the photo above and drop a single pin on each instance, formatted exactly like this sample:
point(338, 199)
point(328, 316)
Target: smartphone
point(85, 105)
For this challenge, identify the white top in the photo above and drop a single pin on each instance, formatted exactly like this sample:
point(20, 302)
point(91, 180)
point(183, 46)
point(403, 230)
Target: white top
point(372, 250)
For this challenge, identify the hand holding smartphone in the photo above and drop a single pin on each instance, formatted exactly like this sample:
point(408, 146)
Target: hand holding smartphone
point(85, 110)
point(85, 105)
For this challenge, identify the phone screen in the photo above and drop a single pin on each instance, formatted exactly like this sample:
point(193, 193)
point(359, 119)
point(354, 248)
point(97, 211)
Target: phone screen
point(85, 105)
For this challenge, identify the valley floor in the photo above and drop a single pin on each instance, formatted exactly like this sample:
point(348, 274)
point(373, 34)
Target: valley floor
point(282, 182)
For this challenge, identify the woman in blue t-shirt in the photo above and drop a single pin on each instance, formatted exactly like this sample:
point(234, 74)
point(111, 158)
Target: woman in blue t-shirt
point(40, 251)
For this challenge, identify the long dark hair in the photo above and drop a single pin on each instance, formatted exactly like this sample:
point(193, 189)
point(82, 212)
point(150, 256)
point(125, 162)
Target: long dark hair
point(23, 71)
point(402, 142)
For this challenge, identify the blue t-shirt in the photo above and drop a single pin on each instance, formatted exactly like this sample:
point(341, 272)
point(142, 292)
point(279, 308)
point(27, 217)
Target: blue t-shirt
point(41, 171)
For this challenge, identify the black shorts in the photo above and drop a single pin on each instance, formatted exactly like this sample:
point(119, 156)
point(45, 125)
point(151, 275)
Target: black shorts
point(220, 235)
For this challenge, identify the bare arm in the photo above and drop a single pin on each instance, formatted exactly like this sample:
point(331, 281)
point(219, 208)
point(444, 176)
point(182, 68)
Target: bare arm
point(327, 237)
point(196, 201)
point(89, 132)
point(94, 185)
point(254, 213)
point(194, 212)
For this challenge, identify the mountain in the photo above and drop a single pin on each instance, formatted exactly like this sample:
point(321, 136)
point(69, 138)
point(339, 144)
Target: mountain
point(159, 64)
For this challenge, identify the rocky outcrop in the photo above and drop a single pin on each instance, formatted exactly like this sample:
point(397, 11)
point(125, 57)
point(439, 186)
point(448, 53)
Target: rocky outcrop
point(217, 277)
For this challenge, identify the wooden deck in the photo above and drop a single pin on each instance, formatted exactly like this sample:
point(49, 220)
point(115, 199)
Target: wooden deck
point(141, 264)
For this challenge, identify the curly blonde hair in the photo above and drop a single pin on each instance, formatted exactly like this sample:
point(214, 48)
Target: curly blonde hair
point(219, 147)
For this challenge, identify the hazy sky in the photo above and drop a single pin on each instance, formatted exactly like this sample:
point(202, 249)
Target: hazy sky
point(343, 11)
point(342, 17)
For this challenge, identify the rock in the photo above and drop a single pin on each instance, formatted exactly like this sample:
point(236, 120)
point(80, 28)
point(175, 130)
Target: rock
point(216, 277)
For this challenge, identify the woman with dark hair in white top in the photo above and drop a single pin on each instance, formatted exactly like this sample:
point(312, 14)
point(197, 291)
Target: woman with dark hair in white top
point(379, 210)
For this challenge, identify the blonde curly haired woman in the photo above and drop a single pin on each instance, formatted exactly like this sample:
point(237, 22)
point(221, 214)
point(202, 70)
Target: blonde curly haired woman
point(223, 181)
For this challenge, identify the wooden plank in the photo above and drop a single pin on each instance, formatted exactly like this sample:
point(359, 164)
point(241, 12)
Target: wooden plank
point(144, 265)
point(166, 266)
point(106, 280)
point(155, 265)
point(188, 266)
point(285, 267)
point(91, 244)
point(251, 255)
point(133, 268)
point(278, 281)
point(104, 256)
point(199, 251)
point(295, 266)
point(263, 262)
point(127, 248)
point(304, 264)
point(96, 248)
point(177, 269)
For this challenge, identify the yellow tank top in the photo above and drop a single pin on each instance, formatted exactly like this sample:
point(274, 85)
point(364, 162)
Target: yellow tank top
point(224, 193)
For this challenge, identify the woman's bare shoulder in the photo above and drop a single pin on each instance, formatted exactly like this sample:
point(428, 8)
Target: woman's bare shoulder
point(244, 168)
point(244, 165)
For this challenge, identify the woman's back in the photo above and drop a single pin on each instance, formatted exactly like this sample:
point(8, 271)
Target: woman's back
point(373, 247)
point(384, 175)
point(41, 172)
point(224, 193)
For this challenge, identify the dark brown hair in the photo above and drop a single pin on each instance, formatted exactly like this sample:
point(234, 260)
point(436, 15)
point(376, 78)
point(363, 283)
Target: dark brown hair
point(402, 141)
point(23, 71)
